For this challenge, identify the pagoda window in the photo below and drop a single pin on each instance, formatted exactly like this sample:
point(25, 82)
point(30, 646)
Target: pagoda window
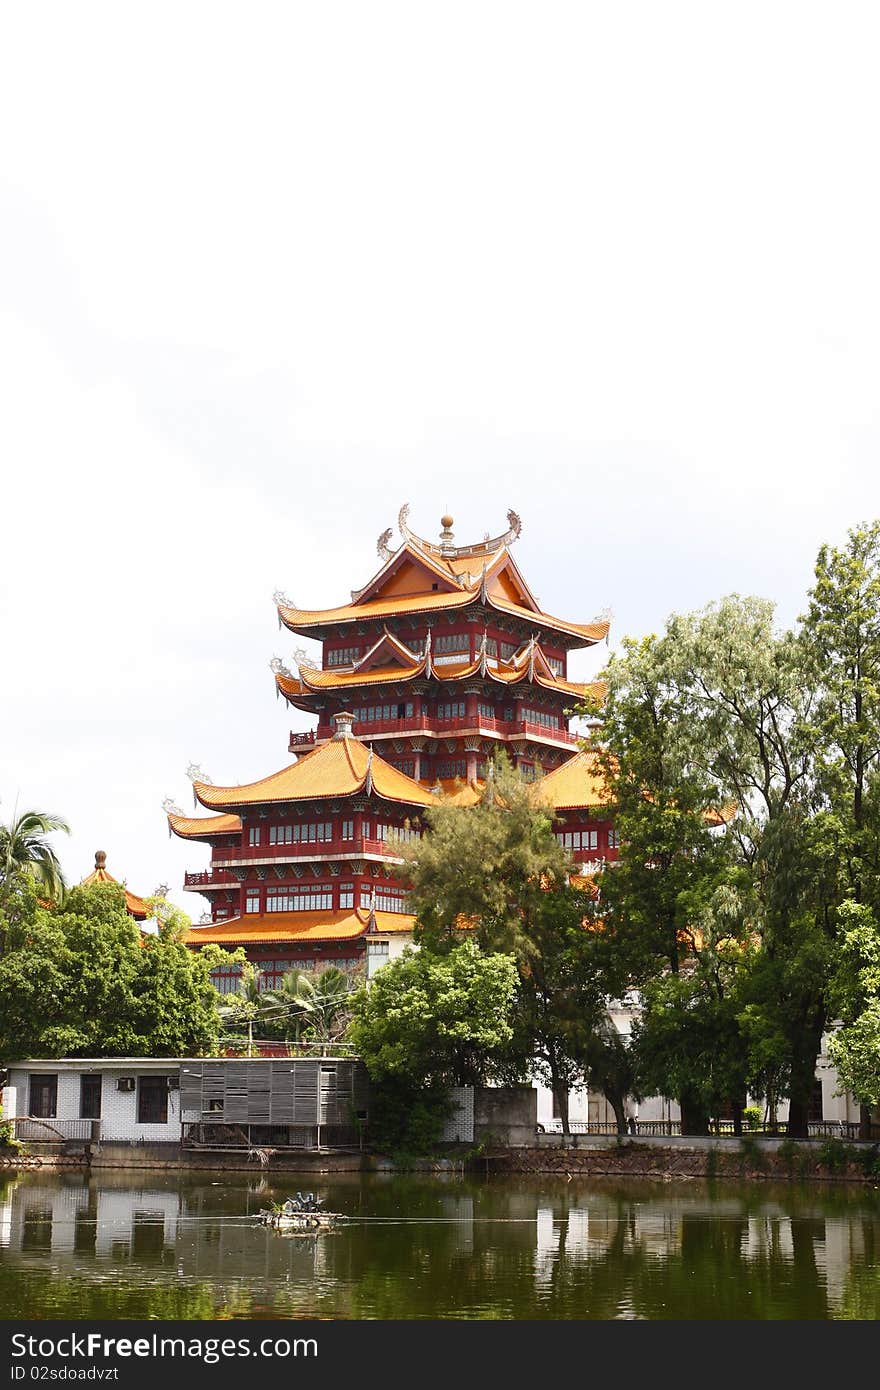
point(508, 714)
point(343, 656)
point(492, 647)
point(389, 899)
point(348, 830)
point(366, 895)
point(405, 765)
point(252, 900)
point(487, 711)
point(527, 771)
point(450, 709)
point(226, 978)
point(280, 834)
point(556, 666)
point(254, 834)
point(613, 839)
point(346, 895)
point(578, 839)
point(369, 714)
point(313, 832)
point(317, 898)
point(546, 718)
point(453, 642)
point(447, 768)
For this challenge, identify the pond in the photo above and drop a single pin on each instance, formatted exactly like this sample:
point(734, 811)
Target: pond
point(151, 1244)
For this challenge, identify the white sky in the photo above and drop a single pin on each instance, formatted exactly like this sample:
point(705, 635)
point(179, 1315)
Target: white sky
point(269, 271)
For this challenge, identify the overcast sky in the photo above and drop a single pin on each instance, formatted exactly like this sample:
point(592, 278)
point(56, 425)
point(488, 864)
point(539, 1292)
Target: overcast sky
point(269, 271)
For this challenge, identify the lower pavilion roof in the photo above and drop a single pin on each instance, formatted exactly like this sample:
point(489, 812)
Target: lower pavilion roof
point(296, 927)
point(338, 768)
point(135, 906)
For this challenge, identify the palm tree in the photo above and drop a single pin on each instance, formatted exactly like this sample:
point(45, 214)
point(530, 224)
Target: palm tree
point(25, 850)
point(316, 1001)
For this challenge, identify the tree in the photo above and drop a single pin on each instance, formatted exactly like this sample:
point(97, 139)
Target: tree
point(311, 1006)
point(854, 1046)
point(488, 865)
point(84, 981)
point(425, 1023)
point(842, 630)
point(497, 868)
point(671, 902)
point(436, 1018)
point(24, 849)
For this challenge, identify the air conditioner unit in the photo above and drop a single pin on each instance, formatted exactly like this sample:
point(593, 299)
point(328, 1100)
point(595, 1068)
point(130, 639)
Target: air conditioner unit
point(125, 1083)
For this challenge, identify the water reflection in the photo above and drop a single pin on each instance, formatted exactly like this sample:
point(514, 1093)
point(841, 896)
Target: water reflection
point(124, 1245)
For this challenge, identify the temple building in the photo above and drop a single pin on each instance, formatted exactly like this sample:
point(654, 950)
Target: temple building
point(438, 661)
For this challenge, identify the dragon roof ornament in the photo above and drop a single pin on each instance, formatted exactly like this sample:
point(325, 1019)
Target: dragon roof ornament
point(487, 546)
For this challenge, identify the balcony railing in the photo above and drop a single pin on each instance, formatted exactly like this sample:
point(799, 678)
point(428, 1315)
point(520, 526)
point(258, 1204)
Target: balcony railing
point(210, 878)
point(52, 1131)
point(325, 849)
point(441, 728)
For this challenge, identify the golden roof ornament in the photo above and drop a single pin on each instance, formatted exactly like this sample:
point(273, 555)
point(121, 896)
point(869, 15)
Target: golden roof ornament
point(487, 546)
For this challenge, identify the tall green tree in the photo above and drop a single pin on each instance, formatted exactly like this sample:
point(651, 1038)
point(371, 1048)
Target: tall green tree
point(842, 632)
point(497, 869)
point(666, 903)
point(854, 1045)
point(25, 849)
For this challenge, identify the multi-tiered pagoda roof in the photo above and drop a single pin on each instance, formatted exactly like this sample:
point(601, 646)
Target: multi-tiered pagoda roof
point(440, 659)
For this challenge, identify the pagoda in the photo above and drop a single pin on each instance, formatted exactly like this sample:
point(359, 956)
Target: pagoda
point(440, 660)
point(135, 907)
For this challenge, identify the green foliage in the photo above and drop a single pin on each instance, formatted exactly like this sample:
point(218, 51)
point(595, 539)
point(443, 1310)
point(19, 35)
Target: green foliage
point(752, 1153)
point(487, 865)
point(432, 1019)
point(84, 981)
point(498, 870)
point(25, 851)
point(855, 993)
point(834, 1155)
point(406, 1120)
point(753, 1117)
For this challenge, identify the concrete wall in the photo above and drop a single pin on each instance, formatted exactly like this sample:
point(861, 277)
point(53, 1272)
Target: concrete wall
point(506, 1113)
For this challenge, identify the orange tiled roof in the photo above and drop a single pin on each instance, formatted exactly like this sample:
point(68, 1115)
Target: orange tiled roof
point(299, 618)
point(135, 905)
point(577, 783)
point(281, 926)
point(202, 827)
point(503, 673)
point(397, 923)
point(338, 768)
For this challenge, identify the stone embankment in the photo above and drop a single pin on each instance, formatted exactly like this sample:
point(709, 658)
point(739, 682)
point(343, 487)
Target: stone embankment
point(831, 1161)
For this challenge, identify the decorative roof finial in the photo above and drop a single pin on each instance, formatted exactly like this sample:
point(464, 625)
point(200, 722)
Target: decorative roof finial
point(446, 536)
point(100, 859)
point(171, 808)
point(278, 666)
point(383, 549)
point(195, 774)
point(343, 722)
point(281, 600)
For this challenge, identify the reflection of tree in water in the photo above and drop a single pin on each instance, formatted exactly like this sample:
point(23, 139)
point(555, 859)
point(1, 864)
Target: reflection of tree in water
point(537, 1247)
